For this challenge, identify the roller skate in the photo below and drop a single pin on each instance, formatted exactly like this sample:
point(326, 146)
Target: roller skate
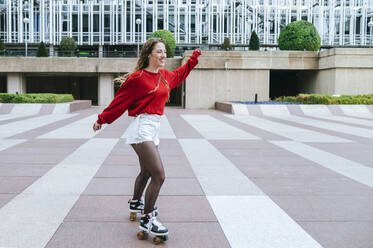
point(150, 224)
point(137, 206)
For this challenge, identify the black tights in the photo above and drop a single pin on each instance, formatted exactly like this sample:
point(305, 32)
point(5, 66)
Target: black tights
point(151, 166)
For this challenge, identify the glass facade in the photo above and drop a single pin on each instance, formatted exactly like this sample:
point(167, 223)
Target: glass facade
point(193, 22)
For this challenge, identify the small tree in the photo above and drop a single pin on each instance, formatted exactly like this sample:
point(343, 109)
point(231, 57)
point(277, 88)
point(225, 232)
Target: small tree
point(2, 47)
point(68, 46)
point(226, 44)
point(299, 35)
point(169, 39)
point(42, 50)
point(254, 42)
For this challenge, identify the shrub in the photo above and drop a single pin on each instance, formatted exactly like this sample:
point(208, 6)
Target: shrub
point(326, 99)
point(226, 44)
point(42, 50)
point(35, 98)
point(68, 46)
point(169, 39)
point(254, 42)
point(299, 35)
point(2, 47)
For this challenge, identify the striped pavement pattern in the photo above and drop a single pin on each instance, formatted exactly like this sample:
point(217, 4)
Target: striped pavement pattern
point(273, 176)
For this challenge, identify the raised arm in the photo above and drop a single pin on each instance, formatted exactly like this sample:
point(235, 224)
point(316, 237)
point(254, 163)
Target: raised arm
point(180, 74)
point(121, 102)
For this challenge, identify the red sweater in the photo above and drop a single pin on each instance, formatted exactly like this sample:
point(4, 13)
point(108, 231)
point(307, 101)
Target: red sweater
point(138, 95)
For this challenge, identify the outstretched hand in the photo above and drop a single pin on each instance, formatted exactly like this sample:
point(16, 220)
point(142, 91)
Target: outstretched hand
point(96, 126)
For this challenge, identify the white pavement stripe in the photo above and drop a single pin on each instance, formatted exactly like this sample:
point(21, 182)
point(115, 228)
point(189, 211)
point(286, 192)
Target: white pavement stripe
point(216, 174)
point(214, 129)
point(288, 131)
point(240, 109)
point(323, 112)
point(259, 222)
point(81, 129)
point(315, 110)
point(7, 143)
point(356, 171)
point(61, 108)
point(12, 116)
point(166, 131)
point(32, 217)
point(13, 128)
point(342, 128)
point(356, 110)
point(21, 108)
point(274, 109)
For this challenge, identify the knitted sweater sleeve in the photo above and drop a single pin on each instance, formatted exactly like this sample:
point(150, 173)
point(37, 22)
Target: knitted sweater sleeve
point(179, 75)
point(123, 99)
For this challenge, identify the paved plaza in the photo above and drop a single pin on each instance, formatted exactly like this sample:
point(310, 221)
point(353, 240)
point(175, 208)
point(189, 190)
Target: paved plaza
point(262, 179)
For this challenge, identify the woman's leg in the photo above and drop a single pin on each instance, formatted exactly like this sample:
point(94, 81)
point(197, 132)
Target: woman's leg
point(149, 155)
point(141, 180)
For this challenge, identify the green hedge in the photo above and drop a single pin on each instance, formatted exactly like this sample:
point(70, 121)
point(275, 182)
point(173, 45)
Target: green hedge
point(35, 98)
point(299, 35)
point(326, 99)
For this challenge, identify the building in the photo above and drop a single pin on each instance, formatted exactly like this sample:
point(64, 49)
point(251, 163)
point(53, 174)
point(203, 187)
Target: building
point(110, 26)
point(193, 22)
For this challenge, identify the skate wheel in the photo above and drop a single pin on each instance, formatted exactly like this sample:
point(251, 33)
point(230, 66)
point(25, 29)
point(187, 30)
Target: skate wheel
point(142, 235)
point(132, 216)
point(158, 240)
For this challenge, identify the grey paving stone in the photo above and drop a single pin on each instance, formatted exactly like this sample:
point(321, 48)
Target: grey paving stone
point(5, 198)
point(115, 208)
point(181, 128)
point(361, 153)
point(341, 234)
point(47, 128)
point(124, 186)
point(311, 186)
point(116, 129)
point(15, 185)
point(22, 171)
point(353, 208)
point(250, 129)
point(6, 108)
point(133, 171)
point(112, 235)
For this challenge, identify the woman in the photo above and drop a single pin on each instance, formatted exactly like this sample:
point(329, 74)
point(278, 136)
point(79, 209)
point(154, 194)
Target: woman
point(144, 94)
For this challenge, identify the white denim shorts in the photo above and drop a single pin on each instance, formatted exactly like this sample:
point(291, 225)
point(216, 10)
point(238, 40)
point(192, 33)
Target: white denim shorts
point(144, 127)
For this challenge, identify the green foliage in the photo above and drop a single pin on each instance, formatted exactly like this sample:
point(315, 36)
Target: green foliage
point(169, 39)
point(68, 46)
point(35, 98)
point(254, 42)
point(326, 99)
point(299, 35)
point(226, 44)
point(42, 50)
point(2, 47)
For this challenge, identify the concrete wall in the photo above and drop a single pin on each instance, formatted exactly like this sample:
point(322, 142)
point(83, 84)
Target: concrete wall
point(318, 82)
point(16, 83)
point(354, 81)
point(220, 75)
point(204, 87)
point(105, 89)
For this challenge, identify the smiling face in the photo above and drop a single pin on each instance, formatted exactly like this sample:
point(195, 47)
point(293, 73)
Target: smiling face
point(157, 58)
